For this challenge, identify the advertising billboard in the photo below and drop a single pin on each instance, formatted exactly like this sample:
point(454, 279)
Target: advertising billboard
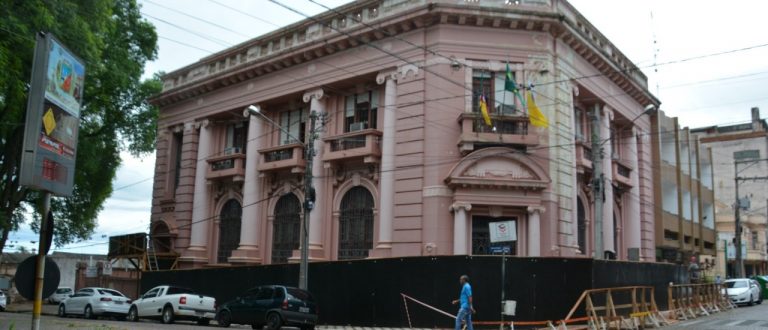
point(53, 118)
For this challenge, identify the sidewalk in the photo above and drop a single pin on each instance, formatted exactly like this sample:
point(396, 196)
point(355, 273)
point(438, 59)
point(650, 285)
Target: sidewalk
point(26, 307)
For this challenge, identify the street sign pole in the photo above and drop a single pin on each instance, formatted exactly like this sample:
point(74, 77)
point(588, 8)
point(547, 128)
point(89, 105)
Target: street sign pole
point(42, 249)
point(503, 232)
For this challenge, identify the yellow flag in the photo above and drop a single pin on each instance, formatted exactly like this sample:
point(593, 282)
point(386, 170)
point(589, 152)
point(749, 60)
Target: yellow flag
point(484, 110)
point(534, 114)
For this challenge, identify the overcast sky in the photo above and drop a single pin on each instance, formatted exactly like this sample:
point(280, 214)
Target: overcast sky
point(680, 37)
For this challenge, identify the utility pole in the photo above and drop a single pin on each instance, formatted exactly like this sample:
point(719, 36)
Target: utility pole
point(309, 199)
point(597, 183)
point(737, 211)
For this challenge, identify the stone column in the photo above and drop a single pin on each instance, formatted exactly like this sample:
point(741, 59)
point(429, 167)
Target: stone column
point(534, 231)
point(605, 135)
point(250, 232)
point(633, 229)
point(460, 224)
point(387, 179)
point(197, 251)
point(317, 217)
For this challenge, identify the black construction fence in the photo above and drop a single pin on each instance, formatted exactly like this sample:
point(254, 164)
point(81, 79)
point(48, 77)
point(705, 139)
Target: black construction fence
point(368, 292)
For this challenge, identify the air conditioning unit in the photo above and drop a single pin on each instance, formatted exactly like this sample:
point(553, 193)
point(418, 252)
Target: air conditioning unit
point(231, 151)
point(353, 127)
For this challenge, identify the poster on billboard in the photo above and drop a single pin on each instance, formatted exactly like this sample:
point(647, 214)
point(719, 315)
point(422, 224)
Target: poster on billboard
point(53, 118)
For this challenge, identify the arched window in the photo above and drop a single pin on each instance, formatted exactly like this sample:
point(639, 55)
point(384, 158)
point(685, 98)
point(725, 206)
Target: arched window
point(286, 228)
point(229, 229)
point(356, 224)
point(161, 238)
point(581, 218)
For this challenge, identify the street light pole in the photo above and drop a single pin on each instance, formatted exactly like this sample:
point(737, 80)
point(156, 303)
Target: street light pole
point(309, 189)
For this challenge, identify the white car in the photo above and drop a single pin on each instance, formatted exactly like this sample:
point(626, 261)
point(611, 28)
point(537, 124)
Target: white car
point(60, 294)
point(3, 301)
point(170, 303)
point(743, 291)
point(93, 302)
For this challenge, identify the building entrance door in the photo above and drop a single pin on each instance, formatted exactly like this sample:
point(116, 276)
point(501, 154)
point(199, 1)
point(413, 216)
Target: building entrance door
point(481, 237)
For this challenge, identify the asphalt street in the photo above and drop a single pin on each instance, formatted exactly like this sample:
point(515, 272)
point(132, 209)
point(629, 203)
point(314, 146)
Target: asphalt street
point(742, 318)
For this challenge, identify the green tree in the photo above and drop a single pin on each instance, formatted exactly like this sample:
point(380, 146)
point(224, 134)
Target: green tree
point(115, 43)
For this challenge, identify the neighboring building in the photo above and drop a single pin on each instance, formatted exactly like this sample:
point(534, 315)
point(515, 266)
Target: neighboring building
point(684, 194)
point(405, 165)
point(746, 144)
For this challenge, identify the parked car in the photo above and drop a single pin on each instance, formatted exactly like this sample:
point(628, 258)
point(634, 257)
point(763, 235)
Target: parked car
point(271, 305)
point(60, 294)
point(94, 302)
point(3, 301)
point(743, 291)
point(171, 303)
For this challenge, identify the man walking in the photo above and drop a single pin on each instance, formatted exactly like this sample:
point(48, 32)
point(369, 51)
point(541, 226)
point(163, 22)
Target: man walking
point(465, 304)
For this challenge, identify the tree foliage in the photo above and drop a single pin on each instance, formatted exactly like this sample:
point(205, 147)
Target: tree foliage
point(115, 43)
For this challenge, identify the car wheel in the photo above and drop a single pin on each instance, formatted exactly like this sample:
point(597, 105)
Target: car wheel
point(274, 321)
point(88, 313)
point(62, 311)
point(133, 314)
point(224, 319)
point(168, 315)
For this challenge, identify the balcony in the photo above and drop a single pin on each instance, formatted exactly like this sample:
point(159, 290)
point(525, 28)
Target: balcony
point(509, 130)
point(583, 155)
point(285, 157)
point(621, 172)
point(227, 166)
point(364, 144)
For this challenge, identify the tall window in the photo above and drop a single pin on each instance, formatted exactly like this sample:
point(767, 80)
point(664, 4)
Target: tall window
point(294, 121)
point(356, 224)
point(177, 144)
point(491, 85)
point(229, 229)
point(360, 111)
point(582, 226)
point(236, 137)
point(286, 228)
point(754, 240)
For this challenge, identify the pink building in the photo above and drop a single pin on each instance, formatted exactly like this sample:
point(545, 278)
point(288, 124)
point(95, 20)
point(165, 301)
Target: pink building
point(405, 165)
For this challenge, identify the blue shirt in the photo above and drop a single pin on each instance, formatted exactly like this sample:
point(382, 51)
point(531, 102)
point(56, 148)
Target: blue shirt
point(466, 293)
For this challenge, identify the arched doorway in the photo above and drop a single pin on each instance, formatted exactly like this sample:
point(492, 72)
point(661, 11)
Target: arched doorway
point(356, 224)
point(229, 229)
point(161, 238)
point(286, 228)
point(581, 223)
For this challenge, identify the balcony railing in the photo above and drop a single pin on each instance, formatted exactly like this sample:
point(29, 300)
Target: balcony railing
point(364, 144)
point(285, 157)
point(509, 130)
point(227, 166)
point(621, 172)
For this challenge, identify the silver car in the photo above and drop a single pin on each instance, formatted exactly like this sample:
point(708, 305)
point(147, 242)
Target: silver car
point(60, 294)
point(743, 291)
point(93, 302)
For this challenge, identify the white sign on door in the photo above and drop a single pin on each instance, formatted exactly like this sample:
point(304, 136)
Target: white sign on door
point(503, 231)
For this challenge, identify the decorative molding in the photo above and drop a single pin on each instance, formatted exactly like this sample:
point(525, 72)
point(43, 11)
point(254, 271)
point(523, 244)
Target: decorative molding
point(397, 74)
point(437, 191)
point(461, 205)
point(316, 94)
point(536, 209)
point(495, 211)
point(204, 123)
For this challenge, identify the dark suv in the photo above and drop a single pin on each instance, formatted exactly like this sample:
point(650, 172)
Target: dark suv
point(270, 305)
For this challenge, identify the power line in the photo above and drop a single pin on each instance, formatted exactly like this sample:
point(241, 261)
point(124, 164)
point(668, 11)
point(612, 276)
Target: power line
point(197, 18)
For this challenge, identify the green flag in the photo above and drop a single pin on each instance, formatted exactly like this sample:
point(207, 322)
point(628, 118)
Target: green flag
point(509, 84)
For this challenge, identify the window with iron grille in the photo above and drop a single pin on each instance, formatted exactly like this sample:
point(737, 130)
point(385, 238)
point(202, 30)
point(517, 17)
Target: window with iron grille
point(229, 229)
point(286, 228)
point(356, 224)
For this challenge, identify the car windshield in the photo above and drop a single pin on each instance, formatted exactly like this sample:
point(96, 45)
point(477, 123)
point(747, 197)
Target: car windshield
point(111, 293)
point(66, 290)
point(300, 294)
point(736, 284)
